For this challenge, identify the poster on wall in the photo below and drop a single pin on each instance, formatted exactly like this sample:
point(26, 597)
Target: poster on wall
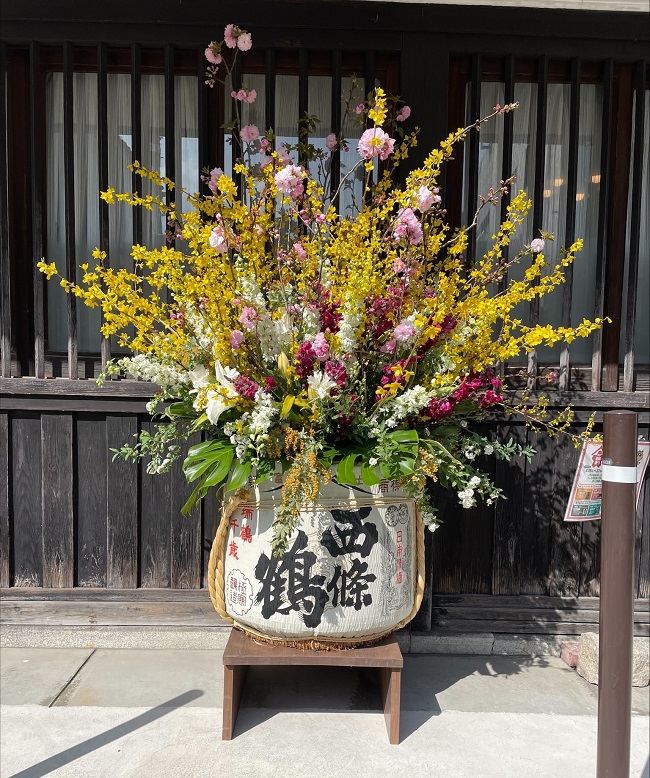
point(586, 493)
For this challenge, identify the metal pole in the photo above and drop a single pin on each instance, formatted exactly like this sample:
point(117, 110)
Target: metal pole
point(616, 593)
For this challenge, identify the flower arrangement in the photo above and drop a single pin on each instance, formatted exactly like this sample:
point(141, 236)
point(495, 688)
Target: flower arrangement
point(337, 344)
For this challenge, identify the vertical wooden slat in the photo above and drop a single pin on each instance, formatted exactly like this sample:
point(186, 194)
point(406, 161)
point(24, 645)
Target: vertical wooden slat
point(91, 455)
point(5, 526)
point(210, 515)
point(601, 238)
point(303, 99)
point(136, 132)
point(185, 558)
point(37, 147)
point(472, 152)
point(122, 520)
point(5, 269)
point(446, 559)
point(155, 524)
point(509, 476)
point(564, 572)
point(102, 155)
point(170, 129)
point(336, 110)
point(538, 197)
point(477, 539)
point(57, 500)
point(70, 228)
point(26, 500)
point(635, 227)
point(569, 233)
point(617, 225)
point(203, 117)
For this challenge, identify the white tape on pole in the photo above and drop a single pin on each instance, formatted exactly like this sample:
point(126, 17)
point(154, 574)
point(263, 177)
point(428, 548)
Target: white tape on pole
point(619, 475)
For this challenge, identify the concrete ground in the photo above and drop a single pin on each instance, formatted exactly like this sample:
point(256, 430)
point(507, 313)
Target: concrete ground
point(125, 713)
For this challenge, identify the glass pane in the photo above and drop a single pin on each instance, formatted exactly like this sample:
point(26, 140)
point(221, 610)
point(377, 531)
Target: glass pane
point(320, 105)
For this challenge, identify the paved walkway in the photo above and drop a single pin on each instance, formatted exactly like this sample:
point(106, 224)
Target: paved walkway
point(138, 713)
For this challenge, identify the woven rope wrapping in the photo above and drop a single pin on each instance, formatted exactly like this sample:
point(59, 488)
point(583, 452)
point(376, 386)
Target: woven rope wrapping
point(216, 587)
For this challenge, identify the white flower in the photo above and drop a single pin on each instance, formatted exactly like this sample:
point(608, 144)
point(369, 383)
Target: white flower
point(489, 449)
point(537, 245)
point(463, 423)
point(466, 497)
point(200, 377)
point(474, 481)
point(215, 407)
point(373, 461)
point(225, 376)
point(320, 385)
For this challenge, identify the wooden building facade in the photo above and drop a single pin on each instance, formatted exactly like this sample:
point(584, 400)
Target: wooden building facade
point(87, 88)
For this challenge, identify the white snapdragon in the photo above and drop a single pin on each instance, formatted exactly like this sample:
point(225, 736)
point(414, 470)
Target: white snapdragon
point(408, 403)
point(262, 416)
point(310, 321)
point(147, 368)
point(274, 335)
point(199, 327)
point(348, 328)
point(249, 289)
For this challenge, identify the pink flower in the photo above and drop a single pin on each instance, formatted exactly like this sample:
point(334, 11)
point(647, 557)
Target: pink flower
point(537, 245)
point(408, 226)
point(360, 108)
point(426, 198)
point(212, 53)
point(321, 347)
point(249, 133)
point(404, 331)
point(245, 387)
point(215, 175)
point(218, 239)
point(251, 96)
point(289, 181)
point(375, 142)
point(300, 251)
point(236, 338)
point(399, 266)
point(245, 41)
point(248, 317)
point(388, 347)
point(230, 36)
point(403, 114)
point(331, 141)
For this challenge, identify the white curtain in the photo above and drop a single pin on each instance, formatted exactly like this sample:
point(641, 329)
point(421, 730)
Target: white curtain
point(555, 183)
point(86, 178)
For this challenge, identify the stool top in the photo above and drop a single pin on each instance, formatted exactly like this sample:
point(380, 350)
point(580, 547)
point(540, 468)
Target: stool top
point(244, 650)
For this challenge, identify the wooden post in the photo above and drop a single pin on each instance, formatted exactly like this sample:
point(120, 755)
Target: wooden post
point(616, 596)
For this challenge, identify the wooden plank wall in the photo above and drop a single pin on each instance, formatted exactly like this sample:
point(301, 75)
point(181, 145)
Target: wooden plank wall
point(71, 517)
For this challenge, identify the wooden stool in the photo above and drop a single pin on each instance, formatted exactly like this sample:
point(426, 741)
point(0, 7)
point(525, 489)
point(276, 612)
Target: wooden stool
point(242, 652)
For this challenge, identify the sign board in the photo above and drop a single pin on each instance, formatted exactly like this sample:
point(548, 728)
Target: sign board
point(586, 493)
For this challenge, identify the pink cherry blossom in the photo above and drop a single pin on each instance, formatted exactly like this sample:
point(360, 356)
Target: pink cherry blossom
point(236, 338)
point(289, 181)
point(408, 226)
point(375, 143)
point(331, 142)
point(388, 347)
point(212, 53)
point(251, 96)
point(244, 41)
point(426, 198)
point(300, 251)
point(399, 266)
point(248, 317)
point(404, 331)
point(320, 347)
point(403, 114)
point(249, 133)
point(360, 108)
point(218, 239)
point(537, 245)
point(215, 175)
point(230, 36)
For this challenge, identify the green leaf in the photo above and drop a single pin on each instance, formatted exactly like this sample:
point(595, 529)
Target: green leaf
point(404, 436)
point(183, 409)
point(264, 469)
point(345, 470)
point(369, 475)
point(239, 476)
point(221, 469)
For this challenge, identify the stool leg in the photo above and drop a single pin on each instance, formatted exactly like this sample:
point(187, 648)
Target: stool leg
point(391, 682)
point(233, 683)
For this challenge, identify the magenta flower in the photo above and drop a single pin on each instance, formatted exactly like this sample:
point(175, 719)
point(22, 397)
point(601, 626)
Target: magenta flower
point(236, 339)
point(245, 387)
point(331, 142)
point(249, 133)
point(375, 143)
point(403, 114)
point(360, 108)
